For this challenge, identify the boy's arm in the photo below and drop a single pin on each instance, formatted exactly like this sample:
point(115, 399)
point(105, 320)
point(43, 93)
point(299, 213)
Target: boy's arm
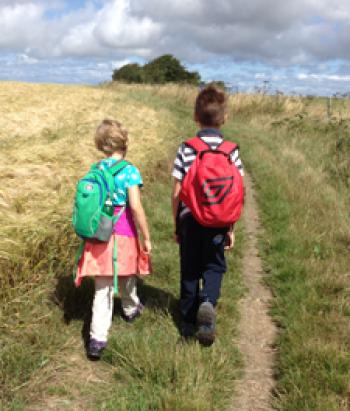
point(230, 238)
point(178, 174)
point(235, 157)
point(175, 198)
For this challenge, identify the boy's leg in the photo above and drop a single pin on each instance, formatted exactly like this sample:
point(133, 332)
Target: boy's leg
point(213, 266)
point(102, 311)
point(213, 263)
point(130, 301)
point(190, 259)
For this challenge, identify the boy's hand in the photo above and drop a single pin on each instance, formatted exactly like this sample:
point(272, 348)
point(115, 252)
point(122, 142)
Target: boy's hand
point(176, 238)
point(230, 240)
point(147, 246)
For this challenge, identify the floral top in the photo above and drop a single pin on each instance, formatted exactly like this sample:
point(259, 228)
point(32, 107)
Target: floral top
point(129, 176)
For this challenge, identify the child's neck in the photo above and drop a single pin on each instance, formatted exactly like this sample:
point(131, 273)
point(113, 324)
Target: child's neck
point(202, 127)
point(117, 156)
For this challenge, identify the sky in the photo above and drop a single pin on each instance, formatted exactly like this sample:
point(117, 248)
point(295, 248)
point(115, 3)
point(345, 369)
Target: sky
point(290, 46)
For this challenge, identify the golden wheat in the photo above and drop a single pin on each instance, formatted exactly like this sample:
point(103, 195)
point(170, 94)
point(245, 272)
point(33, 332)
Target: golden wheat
point(46, 144)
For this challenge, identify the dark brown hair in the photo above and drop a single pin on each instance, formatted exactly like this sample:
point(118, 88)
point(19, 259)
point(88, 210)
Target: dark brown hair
point(111, 137)
point(211, 107)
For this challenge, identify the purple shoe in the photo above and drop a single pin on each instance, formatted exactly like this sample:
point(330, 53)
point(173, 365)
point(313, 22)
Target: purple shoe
point(95, 349)
point(134, 315)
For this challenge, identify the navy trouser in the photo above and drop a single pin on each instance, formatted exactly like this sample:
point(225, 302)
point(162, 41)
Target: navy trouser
point(201, 258)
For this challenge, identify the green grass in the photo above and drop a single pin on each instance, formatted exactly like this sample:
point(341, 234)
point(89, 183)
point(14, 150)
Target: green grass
point(156, 370)
point(306, 252)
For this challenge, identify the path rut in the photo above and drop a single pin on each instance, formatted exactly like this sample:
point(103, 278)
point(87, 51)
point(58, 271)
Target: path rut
point(257, 332)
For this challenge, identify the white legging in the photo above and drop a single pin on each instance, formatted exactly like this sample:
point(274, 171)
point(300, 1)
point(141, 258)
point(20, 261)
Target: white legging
point(102, 307)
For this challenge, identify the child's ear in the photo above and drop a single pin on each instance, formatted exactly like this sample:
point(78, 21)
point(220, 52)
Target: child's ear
point(225, 117)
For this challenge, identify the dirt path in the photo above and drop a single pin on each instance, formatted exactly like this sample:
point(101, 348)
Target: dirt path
point(257, 332)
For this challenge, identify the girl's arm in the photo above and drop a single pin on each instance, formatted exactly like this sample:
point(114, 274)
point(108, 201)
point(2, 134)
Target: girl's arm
point(139, 216)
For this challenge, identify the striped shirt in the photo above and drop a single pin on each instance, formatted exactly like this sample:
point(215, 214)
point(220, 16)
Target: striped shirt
point(186, 155)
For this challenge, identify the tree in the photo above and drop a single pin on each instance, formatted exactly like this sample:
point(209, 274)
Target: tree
point(163, 69)
point(130, 73)
point(168, 69)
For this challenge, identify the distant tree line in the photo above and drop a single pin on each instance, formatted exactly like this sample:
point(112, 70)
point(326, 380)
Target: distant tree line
point(161, 70)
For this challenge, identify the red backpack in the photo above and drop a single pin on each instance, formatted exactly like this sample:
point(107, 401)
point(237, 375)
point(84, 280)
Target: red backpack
point(213, 186)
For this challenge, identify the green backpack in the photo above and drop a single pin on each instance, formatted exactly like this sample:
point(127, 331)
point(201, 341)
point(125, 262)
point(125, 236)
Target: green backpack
point(93, 212)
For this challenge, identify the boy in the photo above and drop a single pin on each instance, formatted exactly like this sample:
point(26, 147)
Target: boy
point(202, 259)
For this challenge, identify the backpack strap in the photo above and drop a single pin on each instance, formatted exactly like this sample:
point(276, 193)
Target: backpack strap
point(197, 144)
point(118, 166)
point(227, 147)
point(115, 254)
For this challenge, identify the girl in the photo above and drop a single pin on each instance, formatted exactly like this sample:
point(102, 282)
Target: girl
point(133, 257)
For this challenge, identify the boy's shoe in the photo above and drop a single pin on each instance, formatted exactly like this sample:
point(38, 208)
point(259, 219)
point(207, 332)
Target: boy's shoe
point(187, 330)
point(135, 314)
point(95, 349)
point(206, 324)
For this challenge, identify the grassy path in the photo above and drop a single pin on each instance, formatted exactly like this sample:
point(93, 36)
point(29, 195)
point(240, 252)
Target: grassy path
point(146, 366)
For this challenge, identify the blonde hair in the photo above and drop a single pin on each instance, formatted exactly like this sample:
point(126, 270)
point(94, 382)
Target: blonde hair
point(111, 137)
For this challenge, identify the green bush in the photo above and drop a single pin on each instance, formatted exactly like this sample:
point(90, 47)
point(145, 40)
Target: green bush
point(130, 73)
point(163, 69)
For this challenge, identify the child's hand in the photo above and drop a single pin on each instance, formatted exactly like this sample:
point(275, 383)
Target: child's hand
point(147, 246)
point(230, 240)
point(176, 238)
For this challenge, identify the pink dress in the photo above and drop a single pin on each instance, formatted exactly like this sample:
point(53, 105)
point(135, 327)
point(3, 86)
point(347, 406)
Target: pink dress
point(97, 257)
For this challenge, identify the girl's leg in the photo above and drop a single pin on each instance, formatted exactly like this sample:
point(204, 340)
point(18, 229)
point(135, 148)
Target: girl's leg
point(130, 301)
point(102, 309)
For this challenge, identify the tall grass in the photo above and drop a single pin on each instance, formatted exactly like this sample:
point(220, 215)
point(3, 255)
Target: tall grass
point(298, 166)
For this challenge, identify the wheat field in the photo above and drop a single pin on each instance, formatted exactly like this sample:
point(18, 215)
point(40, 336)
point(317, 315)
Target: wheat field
point(46, 140)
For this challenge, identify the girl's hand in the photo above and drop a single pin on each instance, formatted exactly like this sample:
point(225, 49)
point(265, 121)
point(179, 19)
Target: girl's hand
point(147, 246)
point(230, 240)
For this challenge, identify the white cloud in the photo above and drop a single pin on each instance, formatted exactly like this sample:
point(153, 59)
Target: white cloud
point(19, 24)
point(23, 58)
point(323, 77)
point(265, 30)
point(260, 76)
point(272, 33)
point(117, 28)
point(120, 63)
